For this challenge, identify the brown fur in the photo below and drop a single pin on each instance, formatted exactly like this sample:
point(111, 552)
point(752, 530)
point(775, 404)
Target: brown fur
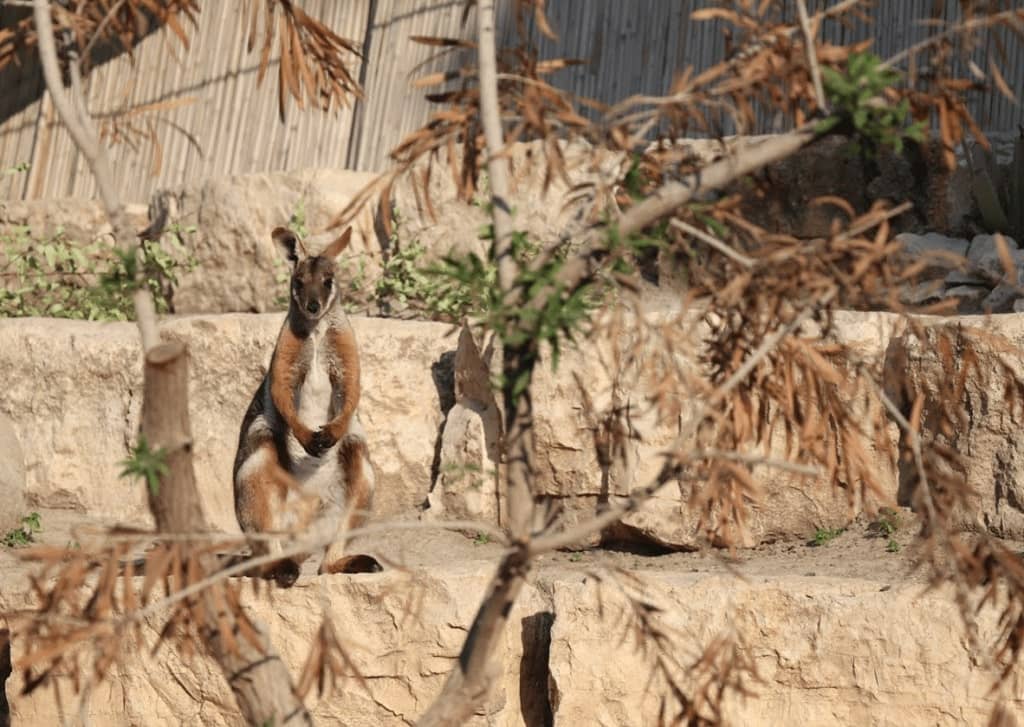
point(344, 344)
point(286, 376)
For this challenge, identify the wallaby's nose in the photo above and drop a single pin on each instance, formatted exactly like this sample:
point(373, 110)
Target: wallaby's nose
point(313, 307)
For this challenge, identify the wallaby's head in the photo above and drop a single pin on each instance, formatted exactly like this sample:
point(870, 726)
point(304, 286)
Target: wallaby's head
point(313, 288)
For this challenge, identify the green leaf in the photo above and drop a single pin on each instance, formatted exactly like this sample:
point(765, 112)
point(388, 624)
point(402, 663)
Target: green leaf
point(149, 465)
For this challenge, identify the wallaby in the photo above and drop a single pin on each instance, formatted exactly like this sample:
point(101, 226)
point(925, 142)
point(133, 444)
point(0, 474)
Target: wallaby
point(302, 457)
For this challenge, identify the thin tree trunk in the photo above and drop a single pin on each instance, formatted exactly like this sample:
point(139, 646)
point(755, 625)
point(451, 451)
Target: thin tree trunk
point(257, 676)
point(470, 681)
point(82, 132)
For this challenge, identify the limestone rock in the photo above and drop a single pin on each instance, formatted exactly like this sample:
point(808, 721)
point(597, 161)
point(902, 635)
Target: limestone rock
point(854, 649)
point(988, 439)
point(466, 487)
point(806, 638)
point(239, 268)
point(467, 480)
point(791, 507)
point(12, 477)
point(404, 655)
point(74, 395)
point(81, 220)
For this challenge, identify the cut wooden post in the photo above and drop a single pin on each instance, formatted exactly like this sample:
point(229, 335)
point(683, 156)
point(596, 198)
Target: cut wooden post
point(257, 676)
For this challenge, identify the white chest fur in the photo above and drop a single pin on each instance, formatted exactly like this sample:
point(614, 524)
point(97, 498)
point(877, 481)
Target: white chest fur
point(315, 405)
point(315, 396)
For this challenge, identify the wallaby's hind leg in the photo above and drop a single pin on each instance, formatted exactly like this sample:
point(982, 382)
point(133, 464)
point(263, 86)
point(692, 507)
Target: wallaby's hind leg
point(357, 474)
point(266, 502)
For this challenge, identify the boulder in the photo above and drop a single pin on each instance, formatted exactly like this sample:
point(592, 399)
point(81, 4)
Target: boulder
point(238, 266)
point(12, 477)
point(568, 470)
point(791, 505)
point(984, 252)
point(466, 486)
point(828, 167)
point(826, 650)
point(1001, 298)
point(74, 395)
point(402, 630)
point(987, 440)
point(80, 220)
point(868, 646)
point(945, 250)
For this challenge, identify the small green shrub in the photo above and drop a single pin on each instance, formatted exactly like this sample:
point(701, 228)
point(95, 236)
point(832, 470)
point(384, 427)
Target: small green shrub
point(146, 464)
point(24, 534)
point(61, 278)
point(824, 536)
point(409, 282)
point(481, 539)
point(854, 95)
point(887, 523)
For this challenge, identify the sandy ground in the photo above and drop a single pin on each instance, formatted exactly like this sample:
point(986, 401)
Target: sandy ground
point(859, 552)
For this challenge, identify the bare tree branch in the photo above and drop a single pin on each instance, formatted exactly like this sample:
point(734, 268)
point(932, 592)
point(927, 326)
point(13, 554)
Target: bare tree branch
point(713, 242)
point(72, 115)
point(812, 56)
point(469, 682)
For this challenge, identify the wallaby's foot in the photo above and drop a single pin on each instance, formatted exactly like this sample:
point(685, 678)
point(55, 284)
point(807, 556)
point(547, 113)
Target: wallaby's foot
point(285, 573)
point(353, 564)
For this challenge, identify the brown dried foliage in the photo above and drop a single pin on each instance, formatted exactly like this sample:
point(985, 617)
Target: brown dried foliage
point(121, 23)
point(90, 598)
point(315, 61)
point(769, 362)
point(454, 136)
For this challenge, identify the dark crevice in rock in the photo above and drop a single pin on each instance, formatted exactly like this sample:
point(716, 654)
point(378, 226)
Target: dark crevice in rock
point(442, 372)
point(534, 672)
point(627, 539)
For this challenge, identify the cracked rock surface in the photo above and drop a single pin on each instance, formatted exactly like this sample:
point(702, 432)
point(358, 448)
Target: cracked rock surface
point(838, 634)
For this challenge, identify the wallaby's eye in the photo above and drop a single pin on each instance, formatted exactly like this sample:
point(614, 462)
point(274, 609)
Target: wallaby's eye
point(297, 283)
point(328, 283)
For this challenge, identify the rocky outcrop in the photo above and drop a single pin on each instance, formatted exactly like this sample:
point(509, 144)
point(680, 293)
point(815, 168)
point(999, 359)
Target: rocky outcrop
point(74, 390)
point(987, 441)
point(568, 470)
point(12, 477)
point(843, 648)
point(827, 651)
point(238, 266)
point(238, 269)
point(73, 396)
point(973, 272)
point(80, 220)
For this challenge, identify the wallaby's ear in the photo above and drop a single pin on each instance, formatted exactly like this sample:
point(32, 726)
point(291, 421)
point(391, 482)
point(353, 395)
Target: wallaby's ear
point(335, 248)
point(288, 242)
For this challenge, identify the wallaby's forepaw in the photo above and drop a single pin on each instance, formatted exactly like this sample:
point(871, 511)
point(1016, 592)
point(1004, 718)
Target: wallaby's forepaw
point(354, 564)
point(320, 442)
